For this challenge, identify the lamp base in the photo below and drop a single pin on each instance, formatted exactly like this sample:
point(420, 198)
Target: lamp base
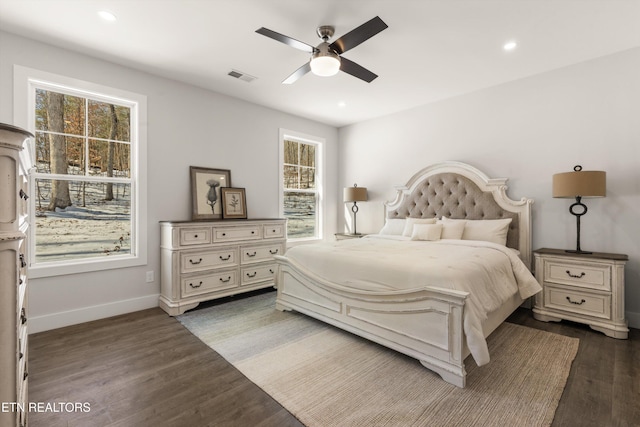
point(577, 251)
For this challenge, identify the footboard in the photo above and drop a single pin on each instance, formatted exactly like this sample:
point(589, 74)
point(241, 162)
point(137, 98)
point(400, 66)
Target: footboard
point(426, 324)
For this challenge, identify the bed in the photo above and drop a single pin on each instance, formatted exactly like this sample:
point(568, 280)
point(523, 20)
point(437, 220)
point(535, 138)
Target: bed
point(433, 299)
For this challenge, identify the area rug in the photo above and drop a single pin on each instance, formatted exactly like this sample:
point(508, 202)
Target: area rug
point(328, 377)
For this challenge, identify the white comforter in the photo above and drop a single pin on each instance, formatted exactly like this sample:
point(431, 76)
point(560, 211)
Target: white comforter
point(491, 273)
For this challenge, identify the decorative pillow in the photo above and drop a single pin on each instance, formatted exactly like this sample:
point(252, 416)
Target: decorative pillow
point(488, 230)
point(426, 232)
point(410, 222)
point(452, 228)
point(393, 226)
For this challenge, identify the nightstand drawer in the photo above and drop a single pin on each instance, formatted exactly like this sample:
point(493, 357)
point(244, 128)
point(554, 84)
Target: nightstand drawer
point(592, 276)
point(577, 301)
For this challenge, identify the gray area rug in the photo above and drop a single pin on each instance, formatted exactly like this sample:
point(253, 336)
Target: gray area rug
point(327, 377)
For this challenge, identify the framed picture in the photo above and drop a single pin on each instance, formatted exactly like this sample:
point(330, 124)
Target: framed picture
point(206, 200)
point(234, 203)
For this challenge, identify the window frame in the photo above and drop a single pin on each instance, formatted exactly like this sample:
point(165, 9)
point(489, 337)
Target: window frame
point(319, 144)
point(26, 80)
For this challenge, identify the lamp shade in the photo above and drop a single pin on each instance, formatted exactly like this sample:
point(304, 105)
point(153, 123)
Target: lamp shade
point(355, 194)
point(580, 183)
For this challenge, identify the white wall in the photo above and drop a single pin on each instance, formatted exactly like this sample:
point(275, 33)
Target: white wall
point(525, 130)
point(186, 126)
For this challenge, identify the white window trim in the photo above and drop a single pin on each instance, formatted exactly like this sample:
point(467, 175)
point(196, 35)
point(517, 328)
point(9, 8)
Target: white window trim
point(320, 178)
point(24, 106)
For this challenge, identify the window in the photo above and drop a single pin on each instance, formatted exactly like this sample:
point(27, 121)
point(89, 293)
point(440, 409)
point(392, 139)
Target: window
point(87, 186)
point(301, 184)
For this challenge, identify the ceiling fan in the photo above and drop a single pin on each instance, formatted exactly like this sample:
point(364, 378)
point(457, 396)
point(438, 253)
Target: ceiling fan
point(326, 59)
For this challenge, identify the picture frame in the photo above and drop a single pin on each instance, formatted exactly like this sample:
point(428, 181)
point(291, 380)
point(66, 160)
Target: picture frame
point(206, 196)
point(234, 203)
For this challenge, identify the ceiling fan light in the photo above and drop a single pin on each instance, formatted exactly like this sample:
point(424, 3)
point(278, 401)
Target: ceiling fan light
point(325, 62)
point(325, 66)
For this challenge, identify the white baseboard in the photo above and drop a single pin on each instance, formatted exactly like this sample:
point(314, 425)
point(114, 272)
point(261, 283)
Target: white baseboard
point(87, 314)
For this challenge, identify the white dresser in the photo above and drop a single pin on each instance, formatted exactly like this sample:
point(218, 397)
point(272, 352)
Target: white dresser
point(584, 288)
point(15, 163)
point(201, 260)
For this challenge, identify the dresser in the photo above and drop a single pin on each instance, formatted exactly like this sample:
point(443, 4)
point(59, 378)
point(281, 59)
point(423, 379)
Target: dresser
point(15, 163)
point(584, 288)
point(202, 261)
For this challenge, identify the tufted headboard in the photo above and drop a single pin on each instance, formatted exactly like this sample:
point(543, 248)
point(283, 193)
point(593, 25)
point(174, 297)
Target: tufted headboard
point(460, 191)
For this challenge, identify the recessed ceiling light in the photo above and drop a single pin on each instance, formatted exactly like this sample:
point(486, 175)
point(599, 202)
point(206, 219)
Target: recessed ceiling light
point(510, 45)
point(107, 16)
point(342, 104)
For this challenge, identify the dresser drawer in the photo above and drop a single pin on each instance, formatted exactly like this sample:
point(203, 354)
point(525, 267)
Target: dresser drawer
point(232, 234)
point(578, 301)
point(210, 282)
point(250, 254)
point(206, 260)
point(274, 231)
point(195, 236)
point(592, 276)
point(258, 273)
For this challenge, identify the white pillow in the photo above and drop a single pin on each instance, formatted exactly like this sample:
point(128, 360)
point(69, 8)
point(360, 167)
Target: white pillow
point(426, 232)
point(488, 230)
point(408, 226)
point(452, 228)
point(393, 226)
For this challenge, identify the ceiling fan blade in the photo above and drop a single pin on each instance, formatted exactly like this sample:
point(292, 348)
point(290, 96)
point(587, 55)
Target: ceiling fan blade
point(358, 35)
point(286, 40)
point(356, 70)
point(297, 74)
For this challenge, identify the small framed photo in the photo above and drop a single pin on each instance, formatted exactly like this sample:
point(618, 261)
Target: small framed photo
point(206, 198)
point(234, 203)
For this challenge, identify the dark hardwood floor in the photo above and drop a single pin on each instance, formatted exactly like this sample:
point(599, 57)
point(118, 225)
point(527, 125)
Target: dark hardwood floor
point(146, 369)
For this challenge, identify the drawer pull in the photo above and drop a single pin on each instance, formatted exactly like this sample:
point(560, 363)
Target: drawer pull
point(251, 255)
point(273, 231)
point(253, 232)
point(575, 302)
point(271, 271)
point(228, 279)
point(252, 275)
point(24, 377)
point(20, 355)
point(195, 286)
point(23, 195)
point(273, 252)
point(23, 263)
point(576, 276)
point(23, 316)
point(225, 259)
point(195, 262)
point(224, 234)
point(195, 236)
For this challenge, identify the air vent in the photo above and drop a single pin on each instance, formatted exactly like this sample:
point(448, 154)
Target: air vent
point(242, 76)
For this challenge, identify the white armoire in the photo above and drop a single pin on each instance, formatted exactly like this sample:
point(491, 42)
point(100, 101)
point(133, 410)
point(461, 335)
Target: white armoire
point(15, 163)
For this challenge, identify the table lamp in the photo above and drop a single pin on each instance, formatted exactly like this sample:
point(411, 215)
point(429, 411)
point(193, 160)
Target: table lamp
point(579, 184)
point(355, 194)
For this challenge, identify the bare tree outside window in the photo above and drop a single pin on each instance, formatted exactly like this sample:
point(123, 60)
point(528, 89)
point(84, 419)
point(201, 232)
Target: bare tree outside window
point(83, 177)
point(300, 190)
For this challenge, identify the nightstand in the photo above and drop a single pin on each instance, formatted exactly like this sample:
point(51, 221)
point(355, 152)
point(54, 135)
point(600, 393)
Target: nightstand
point(584, 288)
point(343, 236)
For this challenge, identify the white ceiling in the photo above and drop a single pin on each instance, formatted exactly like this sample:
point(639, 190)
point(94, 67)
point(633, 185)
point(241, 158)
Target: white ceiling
point(432, 50)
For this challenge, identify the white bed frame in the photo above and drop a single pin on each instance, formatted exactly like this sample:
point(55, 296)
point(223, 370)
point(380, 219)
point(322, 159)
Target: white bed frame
point(426, 323)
